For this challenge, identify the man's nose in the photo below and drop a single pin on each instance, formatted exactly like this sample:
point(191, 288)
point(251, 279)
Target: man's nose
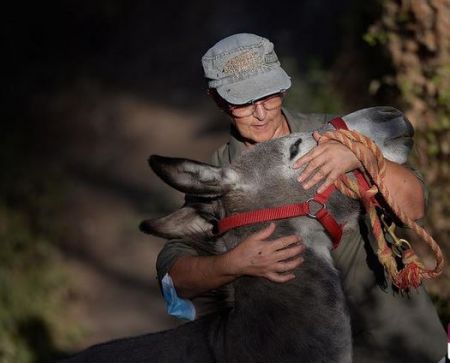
point(260, 111)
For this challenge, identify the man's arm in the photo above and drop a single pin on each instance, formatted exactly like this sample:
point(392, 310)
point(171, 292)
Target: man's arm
point(406, 189)
point(257, 255)
point(328, 161)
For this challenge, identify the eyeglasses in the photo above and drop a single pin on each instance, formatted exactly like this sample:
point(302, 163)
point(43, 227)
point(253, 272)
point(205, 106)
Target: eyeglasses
point(269, 103)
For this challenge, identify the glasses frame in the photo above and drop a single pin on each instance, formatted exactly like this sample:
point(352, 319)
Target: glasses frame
point(253, 104)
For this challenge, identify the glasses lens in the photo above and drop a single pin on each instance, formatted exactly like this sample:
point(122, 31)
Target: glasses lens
point(242, 111)
point(272, 102)
point(269, 103)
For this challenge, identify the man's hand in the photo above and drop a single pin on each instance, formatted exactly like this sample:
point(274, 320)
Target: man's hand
point(273, 259)
point(255, 256)
point(327, 161)
point(331, 159)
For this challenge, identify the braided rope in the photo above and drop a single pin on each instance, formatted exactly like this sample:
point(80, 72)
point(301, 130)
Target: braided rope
point(413, 272)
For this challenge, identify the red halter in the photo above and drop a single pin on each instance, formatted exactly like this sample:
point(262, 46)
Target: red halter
point(288, 211)
point(328, 222)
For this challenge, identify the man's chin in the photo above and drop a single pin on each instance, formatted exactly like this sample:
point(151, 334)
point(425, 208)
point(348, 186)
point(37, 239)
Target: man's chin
point(255, 139)
point(260, 138)
point(262, 134)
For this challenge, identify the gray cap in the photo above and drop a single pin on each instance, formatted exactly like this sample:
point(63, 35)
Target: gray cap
point(243, 68)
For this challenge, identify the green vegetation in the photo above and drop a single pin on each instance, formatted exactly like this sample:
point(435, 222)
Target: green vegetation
point(312, 90)
point(32, 282)
point(31, 287)
point(417, 45)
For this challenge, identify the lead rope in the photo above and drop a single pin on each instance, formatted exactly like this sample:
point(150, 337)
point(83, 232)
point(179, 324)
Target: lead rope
point(413, 272)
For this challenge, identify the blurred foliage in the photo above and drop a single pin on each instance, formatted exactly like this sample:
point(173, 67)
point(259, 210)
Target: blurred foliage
point(28, 282)
point(32, 282)
point(414, 36)
point(311, 90)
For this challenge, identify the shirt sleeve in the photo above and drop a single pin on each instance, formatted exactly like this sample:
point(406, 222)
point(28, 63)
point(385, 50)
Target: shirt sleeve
point(172, 250)
point(176, 306)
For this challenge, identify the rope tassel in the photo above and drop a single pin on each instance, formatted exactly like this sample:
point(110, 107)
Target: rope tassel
point(413, 272)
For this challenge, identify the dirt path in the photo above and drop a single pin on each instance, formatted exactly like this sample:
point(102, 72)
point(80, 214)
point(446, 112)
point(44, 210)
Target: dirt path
point(109, 261)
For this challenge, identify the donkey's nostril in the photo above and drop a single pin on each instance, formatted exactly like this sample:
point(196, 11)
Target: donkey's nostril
point(295, 148)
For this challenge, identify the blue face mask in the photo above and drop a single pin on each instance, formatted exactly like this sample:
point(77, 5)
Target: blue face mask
point(176, 306)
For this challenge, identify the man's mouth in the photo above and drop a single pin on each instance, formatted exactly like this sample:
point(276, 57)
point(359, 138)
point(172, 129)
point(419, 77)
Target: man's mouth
point(260, 126)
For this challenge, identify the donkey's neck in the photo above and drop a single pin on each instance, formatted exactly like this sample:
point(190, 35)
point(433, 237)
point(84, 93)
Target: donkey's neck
point(258, 296)
point(280, 304)
point(310, 232)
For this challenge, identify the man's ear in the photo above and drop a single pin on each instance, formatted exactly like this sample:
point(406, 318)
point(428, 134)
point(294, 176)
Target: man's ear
point(182, 223)
point(192, 177)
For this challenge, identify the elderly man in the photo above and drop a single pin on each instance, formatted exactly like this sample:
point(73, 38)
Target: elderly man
point(247, 82)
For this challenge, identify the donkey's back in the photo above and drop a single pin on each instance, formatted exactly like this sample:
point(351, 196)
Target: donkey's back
point(303, 320)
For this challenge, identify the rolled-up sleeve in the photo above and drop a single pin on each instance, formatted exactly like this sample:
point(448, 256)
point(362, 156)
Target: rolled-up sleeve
point(172, 250)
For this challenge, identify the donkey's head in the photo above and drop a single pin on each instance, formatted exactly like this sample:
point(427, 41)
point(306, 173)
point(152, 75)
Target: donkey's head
point(262, 177)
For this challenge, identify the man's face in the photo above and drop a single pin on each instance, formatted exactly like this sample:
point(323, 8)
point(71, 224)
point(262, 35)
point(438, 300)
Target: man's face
point(261, 120)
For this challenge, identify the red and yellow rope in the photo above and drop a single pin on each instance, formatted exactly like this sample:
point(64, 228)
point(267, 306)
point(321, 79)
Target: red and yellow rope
point(413, 272)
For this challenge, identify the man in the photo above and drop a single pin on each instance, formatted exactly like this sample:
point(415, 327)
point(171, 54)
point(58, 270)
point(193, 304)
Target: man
point(248, 83)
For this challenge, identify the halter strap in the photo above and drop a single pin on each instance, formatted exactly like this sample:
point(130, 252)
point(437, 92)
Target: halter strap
point(339, 123)
point(322, 215)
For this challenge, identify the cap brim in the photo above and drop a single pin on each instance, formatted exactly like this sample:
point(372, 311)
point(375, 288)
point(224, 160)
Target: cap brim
point(256, 87)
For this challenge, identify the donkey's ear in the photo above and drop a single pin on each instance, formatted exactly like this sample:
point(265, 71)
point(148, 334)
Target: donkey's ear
point(190, 176)
point(182, 223)
point(388, 127)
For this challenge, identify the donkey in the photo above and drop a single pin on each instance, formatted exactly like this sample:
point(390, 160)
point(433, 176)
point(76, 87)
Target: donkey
point(303, 320)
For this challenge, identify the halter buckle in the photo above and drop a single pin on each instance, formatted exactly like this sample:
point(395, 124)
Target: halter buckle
point(321, 206)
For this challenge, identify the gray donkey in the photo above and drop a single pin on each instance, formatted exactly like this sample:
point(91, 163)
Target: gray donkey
point(303, 320)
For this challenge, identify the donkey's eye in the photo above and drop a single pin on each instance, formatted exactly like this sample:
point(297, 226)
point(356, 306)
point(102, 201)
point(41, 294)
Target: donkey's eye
point(294, 149)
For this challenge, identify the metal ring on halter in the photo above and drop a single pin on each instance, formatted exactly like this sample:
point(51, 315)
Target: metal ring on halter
point(322, 206)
